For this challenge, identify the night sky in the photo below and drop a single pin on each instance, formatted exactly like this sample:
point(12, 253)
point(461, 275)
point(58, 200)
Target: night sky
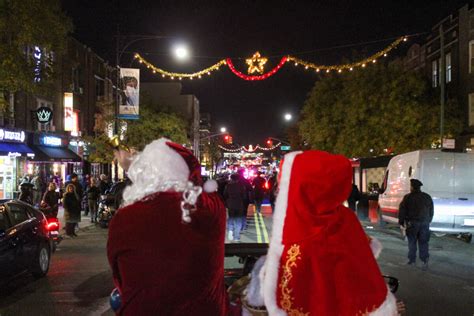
point(214, 30)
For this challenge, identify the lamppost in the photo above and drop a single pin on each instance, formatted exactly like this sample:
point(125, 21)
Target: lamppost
point(288, 117)
point(180, 51)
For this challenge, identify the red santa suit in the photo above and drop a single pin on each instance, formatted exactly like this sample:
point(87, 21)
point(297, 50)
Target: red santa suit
point(166, 245)
point(319, 260)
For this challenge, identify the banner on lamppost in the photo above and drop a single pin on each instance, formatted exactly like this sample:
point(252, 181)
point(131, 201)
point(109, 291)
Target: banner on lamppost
point(129, 94)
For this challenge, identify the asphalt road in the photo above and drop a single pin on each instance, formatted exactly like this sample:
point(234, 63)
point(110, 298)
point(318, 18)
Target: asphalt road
point(79, 280)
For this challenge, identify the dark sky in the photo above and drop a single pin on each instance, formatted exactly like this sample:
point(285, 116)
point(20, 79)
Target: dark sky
point(213, 30)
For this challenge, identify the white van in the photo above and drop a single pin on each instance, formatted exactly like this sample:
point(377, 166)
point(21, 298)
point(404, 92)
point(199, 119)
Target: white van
point(447, 176)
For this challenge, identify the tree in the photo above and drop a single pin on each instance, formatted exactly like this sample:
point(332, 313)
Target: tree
point(365, 112)
point(25, 25)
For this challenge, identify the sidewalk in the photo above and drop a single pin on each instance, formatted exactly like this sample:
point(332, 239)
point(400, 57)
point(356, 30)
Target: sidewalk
point(85, 220)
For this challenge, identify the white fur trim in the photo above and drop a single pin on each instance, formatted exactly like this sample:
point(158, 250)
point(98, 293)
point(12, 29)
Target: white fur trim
point(272, 264)
point(388, 307)
point(157, 168)
point(376, 247)
point(254, 295)
point(210, 186)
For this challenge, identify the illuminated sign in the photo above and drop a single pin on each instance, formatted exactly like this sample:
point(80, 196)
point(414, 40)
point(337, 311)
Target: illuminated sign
point(285, 147)
point(37, 56)
point(44, 115)
point(68, 112)
point(51, 141)
point(12, 136)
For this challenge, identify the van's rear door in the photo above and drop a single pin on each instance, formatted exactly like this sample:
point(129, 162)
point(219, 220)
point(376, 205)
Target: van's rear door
point(438, 181)
point(463, 192)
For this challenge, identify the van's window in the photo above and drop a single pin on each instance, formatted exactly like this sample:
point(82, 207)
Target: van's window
point(410, 170)
point(385, 181)
point(18, 214)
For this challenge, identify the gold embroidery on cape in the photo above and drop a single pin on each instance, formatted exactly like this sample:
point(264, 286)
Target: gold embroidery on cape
point(286, 302)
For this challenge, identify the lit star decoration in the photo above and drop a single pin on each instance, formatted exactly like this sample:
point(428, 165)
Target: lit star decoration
point(256, 63)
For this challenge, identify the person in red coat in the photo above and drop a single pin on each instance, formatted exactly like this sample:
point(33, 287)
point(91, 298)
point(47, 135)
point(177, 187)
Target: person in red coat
point(166, 244)
point(319, 260)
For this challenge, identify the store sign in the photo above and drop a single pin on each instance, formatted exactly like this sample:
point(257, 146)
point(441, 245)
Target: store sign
point(44, 115)
point(51, 141)
point(449, 143)
point(285, 148)
point(12, 136)
point(68, 112)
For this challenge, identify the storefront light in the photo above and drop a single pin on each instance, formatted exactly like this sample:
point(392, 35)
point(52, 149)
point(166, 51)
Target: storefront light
point(55, 168)
point(30, 168)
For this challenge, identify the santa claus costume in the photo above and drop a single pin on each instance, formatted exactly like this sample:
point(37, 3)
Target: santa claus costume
point(319, 260)
point(166, 244)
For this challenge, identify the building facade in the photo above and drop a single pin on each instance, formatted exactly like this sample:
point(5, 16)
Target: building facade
point(456, 32)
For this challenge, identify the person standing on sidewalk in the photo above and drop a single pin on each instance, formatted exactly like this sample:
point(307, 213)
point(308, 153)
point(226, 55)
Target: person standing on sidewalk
point(415, 215)
point(93, 194)
point(72, 210)
point(234, 194)
point(248, 193)
point(50, 200)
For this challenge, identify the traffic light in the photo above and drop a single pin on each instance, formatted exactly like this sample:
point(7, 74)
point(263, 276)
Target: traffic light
point(228, 139)
point(269, 142)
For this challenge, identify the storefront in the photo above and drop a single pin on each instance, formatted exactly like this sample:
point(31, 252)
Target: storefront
point(53, 157)
point(14, 154)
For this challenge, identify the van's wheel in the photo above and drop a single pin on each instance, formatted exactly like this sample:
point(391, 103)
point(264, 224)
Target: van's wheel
point(380, 220)
point(41, 262)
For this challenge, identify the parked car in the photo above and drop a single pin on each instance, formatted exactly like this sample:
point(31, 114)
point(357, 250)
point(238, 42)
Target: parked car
point(25, 244)
point(447, 176)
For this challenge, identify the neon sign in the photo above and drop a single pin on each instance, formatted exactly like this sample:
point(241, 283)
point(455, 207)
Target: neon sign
point(51, 141)
point(14, 136)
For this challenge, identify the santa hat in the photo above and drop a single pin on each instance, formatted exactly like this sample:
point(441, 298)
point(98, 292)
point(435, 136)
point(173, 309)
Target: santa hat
point(165, 166)
point(319, 260)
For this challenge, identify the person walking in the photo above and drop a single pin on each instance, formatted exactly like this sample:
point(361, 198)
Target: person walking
point(247, 197)
point(258, 191)
point(234, 194)
point(37, 189)
point(415, 215)
point(93, 194)
point(103, 184)
point(50, 201)
point(72, 209)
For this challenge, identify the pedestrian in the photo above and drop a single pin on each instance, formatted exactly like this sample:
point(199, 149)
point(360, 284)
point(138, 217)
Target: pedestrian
point(37, 189)
point(50, 200)
point(234, 195)
point(74, 180)
point(166, 243)
point(319, 260)
point(247, 197)
point(72, 209)
point(103, 184)
point(415, 215)
point(353, 197)
point(258, 191)
point(26, 194)
point(93, 195)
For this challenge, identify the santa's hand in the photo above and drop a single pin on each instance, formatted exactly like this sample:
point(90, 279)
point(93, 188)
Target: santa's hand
point(124, 158)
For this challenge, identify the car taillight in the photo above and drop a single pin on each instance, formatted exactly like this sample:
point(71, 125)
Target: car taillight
point(53, 225)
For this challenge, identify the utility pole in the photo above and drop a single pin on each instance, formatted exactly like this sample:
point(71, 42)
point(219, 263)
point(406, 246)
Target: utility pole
point(117, 95)
point(442, 81)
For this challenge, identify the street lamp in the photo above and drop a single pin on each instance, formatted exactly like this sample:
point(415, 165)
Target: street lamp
point(181, 52)
point(223, 129)
point(288, 117)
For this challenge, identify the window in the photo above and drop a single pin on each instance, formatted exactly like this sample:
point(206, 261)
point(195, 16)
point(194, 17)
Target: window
point(18, 214)
point(448, 68)
point(471, 56)
point(471, 109)
point(434, 71)
point(99, 88)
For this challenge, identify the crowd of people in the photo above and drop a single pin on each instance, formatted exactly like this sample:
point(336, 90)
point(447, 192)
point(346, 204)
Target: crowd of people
point(76, 196)
point(238, 193)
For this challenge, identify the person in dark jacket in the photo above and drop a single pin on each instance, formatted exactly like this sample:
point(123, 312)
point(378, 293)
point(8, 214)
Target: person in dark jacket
point(415, 215)
point(104, 184)
point(248, 193)
point(93, 195)
point(234, 194)
point(72, 210)
point(353, 197)
point(258, 191)
point(77, 185)
point(26, 194)
point(50, 201)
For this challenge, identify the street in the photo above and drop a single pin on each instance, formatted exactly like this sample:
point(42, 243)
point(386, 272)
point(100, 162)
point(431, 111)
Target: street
point(79, 280)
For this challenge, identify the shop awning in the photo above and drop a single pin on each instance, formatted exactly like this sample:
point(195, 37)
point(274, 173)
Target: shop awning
point(10, 149)
point(54, 154)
